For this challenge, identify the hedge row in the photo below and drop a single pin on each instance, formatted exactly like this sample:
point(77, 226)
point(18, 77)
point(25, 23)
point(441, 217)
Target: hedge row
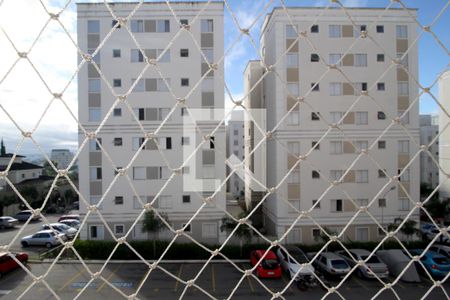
point(102, 249)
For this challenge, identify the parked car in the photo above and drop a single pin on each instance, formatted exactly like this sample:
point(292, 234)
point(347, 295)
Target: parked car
point(269, 266)
point(332, 264)
point(443, 238)
point(65, 217)
point(397, 262)
point(426, 227)
point(293, 261)
point(374, 266)
point(70, 232)
point(71, 222)
point(7, 263)
point(8, 222)
point(24, 215)
point(436, 264)
point(47, 238)
point(441, 249)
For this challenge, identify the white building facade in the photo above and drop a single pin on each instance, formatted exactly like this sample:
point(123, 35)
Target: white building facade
point(429, 170)
point(235, 143)
point(62, 157)
point(329, 124)
point(155, 110)
point(444, 137)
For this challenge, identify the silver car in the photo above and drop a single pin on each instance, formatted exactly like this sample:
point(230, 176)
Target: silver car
point(292, 262)
point(8, 222)
point(71, 222)
point(332, 264)
point(61, 228)
point(24, 215)
point(374, 266)
point(47, 238)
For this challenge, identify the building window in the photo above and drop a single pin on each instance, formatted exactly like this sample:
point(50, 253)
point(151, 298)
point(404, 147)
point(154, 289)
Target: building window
point(209, 54)
point(168, 143)
point(117, 112)
point(118, 141)
point(362, 234)
point(209, 230)
point(317, 203)
point(360, 60)
point(291, 31)
point(139, 173)
point(315, 86)
point(116, 53)
point(381, 115)
point(316, 234)
point(184, 81)
point(335, 59)
point(381, 86)
point(136, 55)
point(403, 88)
point(96, 173)
point(93, 232)
point(334, 31)
point(162, 26)
point(94, 85)
point(382, 202)
point(315, 57)
point(186, 199)
point(187, 229)
point(185, 140)
point(207, 26)
point(362, 176)
point(335, 175)
point(93, 26)
point(292, 60)
point(361, 118)
point(403, 204)
point(315, 174)
point(94, 114)
point(316, 145)
point(381, 144)
point(294, 118)
point(184, 52)
point(381, 173)
point(184, 22)
point(315, 29)
point(137, 25)
point(336, 147)
point(335, 89)
point(94, 145)
point(403, 146)
point(362, 202)
point(380, 57)
point(114, 23)
point(401, 31)
point(118, 200)
point(380, 28)
point(315, 116)
point(336, 116)
point(119, 229)
point(117, 82)
point(363, 28)
point(405, 175)
point(336, 205)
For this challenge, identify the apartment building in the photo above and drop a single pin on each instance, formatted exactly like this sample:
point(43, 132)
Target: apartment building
point(429, 170)
point(62, 157)
point(235, 145)
point(334, 123)
point(444, 137)
point(161, 101)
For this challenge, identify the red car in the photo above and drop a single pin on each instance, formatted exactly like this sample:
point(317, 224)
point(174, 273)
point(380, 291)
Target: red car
point(269, 266)
point(8, 264)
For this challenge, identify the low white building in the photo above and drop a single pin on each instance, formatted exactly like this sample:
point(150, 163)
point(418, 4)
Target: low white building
point(429, 171)
point(235, 146)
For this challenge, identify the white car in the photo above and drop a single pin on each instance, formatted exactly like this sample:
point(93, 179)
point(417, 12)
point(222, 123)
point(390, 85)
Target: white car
point(47, 238)
point(72, 223)
point(332, 264)
point(441, 249)
point(292, 262)
point(70, 232)
point(8, 222)
point(374, 266)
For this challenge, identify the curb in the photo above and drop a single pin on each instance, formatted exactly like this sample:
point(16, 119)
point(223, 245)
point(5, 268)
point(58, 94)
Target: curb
point(95, 261)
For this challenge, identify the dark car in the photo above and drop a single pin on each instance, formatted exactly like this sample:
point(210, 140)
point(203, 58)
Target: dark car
point(7, 263)
point(24, 215)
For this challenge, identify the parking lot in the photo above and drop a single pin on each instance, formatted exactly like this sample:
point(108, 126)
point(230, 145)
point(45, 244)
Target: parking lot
point(7, 235)
point(218, 279)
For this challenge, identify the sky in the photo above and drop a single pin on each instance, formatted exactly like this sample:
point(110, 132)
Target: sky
point(25, 98)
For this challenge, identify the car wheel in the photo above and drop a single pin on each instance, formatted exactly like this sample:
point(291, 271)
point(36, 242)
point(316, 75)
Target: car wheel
point(24, 244)
point(48, 245)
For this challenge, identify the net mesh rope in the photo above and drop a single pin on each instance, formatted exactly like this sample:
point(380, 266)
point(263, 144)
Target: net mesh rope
point(271, 134)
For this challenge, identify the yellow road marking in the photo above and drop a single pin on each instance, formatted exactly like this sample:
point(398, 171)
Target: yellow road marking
point(108, 278)
point(213, 278)
point(71, 279)
point(179, 274)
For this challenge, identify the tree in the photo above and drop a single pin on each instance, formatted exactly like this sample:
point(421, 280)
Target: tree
point(48, 170)
point(408, 229)
point(437, 208)
point(6, 201)
point(153, 224)
point(243, 232)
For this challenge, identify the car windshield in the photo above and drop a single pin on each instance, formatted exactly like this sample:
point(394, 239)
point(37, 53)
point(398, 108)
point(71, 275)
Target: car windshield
point(339, 264)
point(270, 264)
point(298, 256)
point(372, 260)
point(63, 226)
point(441, 260)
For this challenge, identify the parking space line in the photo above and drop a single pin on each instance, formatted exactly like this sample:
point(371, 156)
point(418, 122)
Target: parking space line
point(108, 278)
point(71, 279)
point(213, 278)
point(178, 275)
point(360, 283)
